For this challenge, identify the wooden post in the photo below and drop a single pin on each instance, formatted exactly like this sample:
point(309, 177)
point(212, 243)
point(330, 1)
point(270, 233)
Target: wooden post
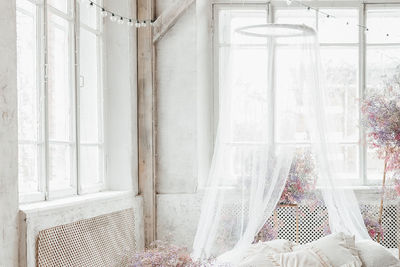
point(147, 119)
point(382, 197)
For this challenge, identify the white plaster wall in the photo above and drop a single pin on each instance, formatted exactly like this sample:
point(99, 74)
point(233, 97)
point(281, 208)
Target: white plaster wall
point(121, 99)
point(8, 137)
point(176, 104)
point(178, 215)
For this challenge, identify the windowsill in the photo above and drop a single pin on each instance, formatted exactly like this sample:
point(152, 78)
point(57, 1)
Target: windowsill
point(74, 201)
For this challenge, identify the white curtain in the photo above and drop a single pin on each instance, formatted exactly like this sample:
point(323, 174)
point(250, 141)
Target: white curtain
point(271, 104)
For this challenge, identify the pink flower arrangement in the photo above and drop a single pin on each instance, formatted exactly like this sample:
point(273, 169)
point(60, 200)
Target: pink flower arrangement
point(268, 232)
point(161, 253)
point(371, 221)
point(300, 184)
point(382, 123)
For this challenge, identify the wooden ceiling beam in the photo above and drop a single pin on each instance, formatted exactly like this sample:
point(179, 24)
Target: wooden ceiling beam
point(169, 17)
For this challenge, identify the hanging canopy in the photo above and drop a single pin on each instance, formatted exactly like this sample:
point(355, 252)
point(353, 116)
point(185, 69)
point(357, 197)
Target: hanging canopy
point(269, 109)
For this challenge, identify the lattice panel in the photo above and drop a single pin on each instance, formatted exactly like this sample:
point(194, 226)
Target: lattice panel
point(311, 223)
point(391, 224)
point(105, 240)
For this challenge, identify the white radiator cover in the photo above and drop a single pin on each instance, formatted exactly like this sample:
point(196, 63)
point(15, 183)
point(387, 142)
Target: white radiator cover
point(310, 222)
point(88, 220)
point(106, 240)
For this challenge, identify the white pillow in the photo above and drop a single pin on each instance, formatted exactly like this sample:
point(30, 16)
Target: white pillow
point(303, 257)
point(339, 249)
point(256, 254)
point(374, 255)
point(258, 259)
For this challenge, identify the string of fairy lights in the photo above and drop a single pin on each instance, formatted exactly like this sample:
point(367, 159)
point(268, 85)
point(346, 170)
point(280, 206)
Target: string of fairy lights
point(327, 15)
point(114, 17)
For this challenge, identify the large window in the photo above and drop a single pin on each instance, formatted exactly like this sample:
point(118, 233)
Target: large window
point(60, 106)
point(354, 61)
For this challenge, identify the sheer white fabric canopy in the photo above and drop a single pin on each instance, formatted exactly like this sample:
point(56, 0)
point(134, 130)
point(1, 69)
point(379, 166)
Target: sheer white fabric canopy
point(262, 123)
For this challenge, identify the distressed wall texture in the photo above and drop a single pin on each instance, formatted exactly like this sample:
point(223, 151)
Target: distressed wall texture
point(8, 137)
point(176, 104)
point(178, 205)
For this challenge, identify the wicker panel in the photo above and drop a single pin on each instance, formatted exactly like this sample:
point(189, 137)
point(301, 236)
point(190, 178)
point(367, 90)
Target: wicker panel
point(100, 241)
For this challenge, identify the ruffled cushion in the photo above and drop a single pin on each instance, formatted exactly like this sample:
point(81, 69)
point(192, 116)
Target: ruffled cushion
point(339, 249)
point(304, 257)
point(256, 254)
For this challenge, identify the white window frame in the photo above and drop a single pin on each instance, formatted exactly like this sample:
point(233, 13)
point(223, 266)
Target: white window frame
point(270, 8)
point(42, 9)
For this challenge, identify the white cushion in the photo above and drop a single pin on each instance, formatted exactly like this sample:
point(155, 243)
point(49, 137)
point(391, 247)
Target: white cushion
point(258, 259)
point(303, 257)
point(374, 255)
point(257, 254)
point(339, 249)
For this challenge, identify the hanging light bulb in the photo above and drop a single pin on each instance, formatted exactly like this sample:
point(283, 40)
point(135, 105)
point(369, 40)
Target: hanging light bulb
point(121, 20)
point(137, 24)
point(130, 23)
point(288, 2)
point(113, 18)
point(91, 4)
point(143, 24)
point(104, 13)
point(366, 30)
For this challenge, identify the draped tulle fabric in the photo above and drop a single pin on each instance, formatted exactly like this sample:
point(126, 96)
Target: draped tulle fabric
point(267, 112)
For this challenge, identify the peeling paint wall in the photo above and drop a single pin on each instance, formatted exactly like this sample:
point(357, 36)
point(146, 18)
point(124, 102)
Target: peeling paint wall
point(8, 137)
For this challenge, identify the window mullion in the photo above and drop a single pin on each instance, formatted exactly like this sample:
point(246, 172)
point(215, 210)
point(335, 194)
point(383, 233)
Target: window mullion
point(362, 79)
point(46, 99)
point(271, 74)
point(77, 95)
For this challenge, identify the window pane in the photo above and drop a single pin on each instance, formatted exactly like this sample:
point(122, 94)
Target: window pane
point(90, 90)
point(249, 68)
point(59, 80)
point(374, 166)
point(382, 21)
point(231, 20)
point(60, 167)
point(335, 29)
point(286, 97)
point(383, 62)
point(91, 161)
point(345, 160)
point(61, 5)
point(296, 16)
point(28, 168)
point(89, 15)
point(91, 130)
point(29, 154)
point(340, 65)
point(60, 104)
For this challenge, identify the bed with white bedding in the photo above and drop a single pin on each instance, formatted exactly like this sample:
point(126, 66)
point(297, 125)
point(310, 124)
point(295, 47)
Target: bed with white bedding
point(336, 250)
